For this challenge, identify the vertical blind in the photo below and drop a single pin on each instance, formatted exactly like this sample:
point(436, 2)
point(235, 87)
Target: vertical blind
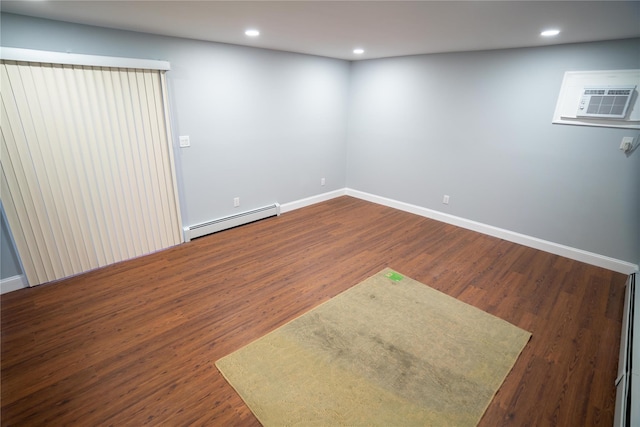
point(87, 171)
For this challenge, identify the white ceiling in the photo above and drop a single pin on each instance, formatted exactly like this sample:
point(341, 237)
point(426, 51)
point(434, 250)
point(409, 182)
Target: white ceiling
point(335, 28)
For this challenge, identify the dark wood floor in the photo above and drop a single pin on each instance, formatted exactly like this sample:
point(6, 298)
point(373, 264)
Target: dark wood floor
point(135, 343)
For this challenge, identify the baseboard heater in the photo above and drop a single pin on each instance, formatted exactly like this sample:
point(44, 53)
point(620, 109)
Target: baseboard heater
point(230, 221)
point(627, 410)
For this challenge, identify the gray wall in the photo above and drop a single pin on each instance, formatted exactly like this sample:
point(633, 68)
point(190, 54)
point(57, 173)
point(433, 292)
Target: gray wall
point(266, 126)
point(477, 126)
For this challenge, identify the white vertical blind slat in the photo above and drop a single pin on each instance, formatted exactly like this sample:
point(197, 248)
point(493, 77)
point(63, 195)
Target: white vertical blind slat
point(51, 165)
point(37, 140)
point(28, 196)
point(154, 100)
point(110, 182)
point(70, 146)
point(121, 178)
point(149, 119)
point(88, 179)
point(15, 209)
point(80, 122)
point(129, 198)
point(92, 138)
point(132, 159)
point(34, 139)
point(174, 201)
point(144, 174)
point(57, 129)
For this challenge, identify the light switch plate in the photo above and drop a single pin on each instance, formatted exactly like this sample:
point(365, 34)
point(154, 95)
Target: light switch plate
point(184, 141)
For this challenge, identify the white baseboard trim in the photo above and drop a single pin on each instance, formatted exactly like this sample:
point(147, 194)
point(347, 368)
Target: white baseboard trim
point(14, 283)
point(511, 236)
point(297, 204)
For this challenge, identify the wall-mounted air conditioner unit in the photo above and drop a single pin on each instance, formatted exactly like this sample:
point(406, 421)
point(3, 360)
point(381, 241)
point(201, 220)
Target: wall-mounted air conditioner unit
point(605, 98)
point(610, 102)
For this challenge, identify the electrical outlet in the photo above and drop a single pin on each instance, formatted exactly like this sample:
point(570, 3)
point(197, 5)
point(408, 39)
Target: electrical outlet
point(322, 181)
point(627, 144)
point(236, 202)
point(184, 141)
point(445, 199)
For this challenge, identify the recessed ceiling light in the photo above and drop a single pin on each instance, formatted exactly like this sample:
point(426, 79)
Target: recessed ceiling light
point(358, 51)
point(550, 33)
point(252, 33)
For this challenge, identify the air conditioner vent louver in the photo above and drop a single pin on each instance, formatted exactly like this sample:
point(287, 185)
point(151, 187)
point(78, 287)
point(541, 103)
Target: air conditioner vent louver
point(605, 102)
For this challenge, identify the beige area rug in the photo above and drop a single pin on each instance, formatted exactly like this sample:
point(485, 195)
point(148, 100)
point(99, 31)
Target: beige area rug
point(389, 351)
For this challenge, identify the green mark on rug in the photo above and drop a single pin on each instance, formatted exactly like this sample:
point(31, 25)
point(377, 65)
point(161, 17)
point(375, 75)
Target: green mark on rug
point(396, 277)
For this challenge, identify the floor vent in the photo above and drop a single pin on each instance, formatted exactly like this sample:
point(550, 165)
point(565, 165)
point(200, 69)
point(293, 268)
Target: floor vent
point(231, 221)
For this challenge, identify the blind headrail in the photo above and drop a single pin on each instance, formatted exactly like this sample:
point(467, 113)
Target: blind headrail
point(44, 56)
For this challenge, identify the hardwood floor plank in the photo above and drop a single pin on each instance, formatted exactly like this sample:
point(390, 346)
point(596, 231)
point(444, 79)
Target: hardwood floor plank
point(135, 343)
